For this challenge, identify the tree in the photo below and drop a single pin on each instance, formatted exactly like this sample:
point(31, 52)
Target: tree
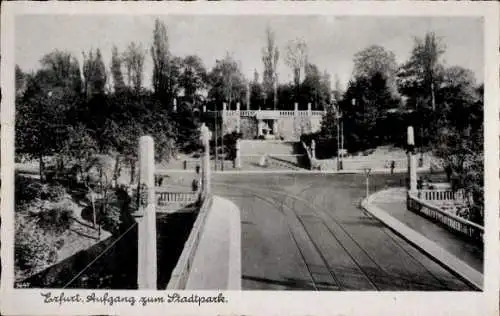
point(256, 91)
point(116, 71)
point(420, 75)
point(20, 80)
point(227, 81)
point(375, 59)
point(40, 121)
point(459, 99)
point(164, 66)
point(364, 107)
point(296, 59)
point(133, 58)
point(61, 69)
point(94, 73)
point(315, 88)
point(337, 90)
point(193, 78)
point(270, 58)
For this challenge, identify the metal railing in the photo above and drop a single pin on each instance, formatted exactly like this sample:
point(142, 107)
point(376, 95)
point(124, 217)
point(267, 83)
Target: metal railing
point(451, 221)
point(441, 195)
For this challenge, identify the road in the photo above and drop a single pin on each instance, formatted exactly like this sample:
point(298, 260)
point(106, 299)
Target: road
point(307, 232)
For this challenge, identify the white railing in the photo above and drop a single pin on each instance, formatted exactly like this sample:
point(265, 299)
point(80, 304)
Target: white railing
point(248, 113)
point(441, 195)
point(163, 198)
point(453, 222)
point(287, 113)
point(272, 114)
point(317, 113)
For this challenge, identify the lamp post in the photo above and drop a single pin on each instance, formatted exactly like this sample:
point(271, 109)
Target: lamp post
point(367, 180)
point(216, 116)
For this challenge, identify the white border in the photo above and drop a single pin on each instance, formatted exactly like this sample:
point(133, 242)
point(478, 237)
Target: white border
point(28, 302)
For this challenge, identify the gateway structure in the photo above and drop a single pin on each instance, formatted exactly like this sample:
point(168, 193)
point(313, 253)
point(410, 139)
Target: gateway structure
point(270, 124)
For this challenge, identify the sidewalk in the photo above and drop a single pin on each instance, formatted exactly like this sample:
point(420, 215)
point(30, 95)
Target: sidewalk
point(217, 262)
point(460, 255)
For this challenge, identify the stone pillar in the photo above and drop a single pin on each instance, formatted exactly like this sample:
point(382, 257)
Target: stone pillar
point(174, 105)
point(146, 217)
point(238, 118)
point(296, 108)
point(205, 139)
point(259, 127)
point(313, 149)
point(412, 163)
point(309, 112)
point(237, 159)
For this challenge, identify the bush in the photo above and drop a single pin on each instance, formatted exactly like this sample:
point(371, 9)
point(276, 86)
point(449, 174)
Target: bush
point(26, 189)
point(53, 192)
point(34, 248)
point(57, 219)
point(113, 213)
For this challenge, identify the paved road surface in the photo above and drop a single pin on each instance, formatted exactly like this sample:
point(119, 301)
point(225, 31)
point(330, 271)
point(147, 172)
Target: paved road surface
point(306, 232)
point(393, 202)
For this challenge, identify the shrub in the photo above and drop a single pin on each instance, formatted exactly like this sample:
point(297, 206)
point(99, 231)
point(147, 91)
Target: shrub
point(53, 192)
point(34, 248)
point(57, 219)
point(26, 189)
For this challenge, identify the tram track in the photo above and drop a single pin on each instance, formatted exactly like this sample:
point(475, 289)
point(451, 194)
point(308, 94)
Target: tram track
point(320, 225)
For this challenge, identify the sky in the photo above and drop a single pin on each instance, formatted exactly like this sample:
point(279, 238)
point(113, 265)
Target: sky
point(332, 40)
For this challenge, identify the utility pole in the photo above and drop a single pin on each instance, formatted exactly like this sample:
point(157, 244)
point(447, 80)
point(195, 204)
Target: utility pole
point(216, 116)
point(367, 181)
point(222, 146)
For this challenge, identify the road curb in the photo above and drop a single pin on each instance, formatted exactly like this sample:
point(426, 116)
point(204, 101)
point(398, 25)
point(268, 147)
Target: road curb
point(429, 247)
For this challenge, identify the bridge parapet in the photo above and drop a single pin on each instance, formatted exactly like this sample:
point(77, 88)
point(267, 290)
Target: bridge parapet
point(447, 218)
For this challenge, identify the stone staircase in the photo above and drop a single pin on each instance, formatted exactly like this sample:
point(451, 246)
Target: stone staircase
point(282, 155)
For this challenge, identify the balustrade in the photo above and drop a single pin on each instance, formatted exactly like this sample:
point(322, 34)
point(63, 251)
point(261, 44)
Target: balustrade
point(450, 220)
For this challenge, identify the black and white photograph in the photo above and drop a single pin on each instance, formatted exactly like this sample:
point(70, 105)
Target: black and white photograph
point(260, 153)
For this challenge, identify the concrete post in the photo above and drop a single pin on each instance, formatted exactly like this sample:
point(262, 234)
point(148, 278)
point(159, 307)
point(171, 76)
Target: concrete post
point(309, 112)
point(237, 160)
point(146, 217)
point(313, 149)
point(412, 163)
point(296, 108)
point(205, 138)
point(238, 118)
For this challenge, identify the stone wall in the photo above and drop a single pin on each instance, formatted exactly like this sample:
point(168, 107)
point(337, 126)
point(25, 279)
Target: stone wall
point(229, 124)
point(286, 130)
point(316, 123)
point(248, 127)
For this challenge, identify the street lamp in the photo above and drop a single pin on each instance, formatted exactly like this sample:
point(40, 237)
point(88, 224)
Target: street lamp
point(367, 181)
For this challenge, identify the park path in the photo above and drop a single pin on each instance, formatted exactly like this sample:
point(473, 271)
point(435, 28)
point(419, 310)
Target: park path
point(393, 201)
